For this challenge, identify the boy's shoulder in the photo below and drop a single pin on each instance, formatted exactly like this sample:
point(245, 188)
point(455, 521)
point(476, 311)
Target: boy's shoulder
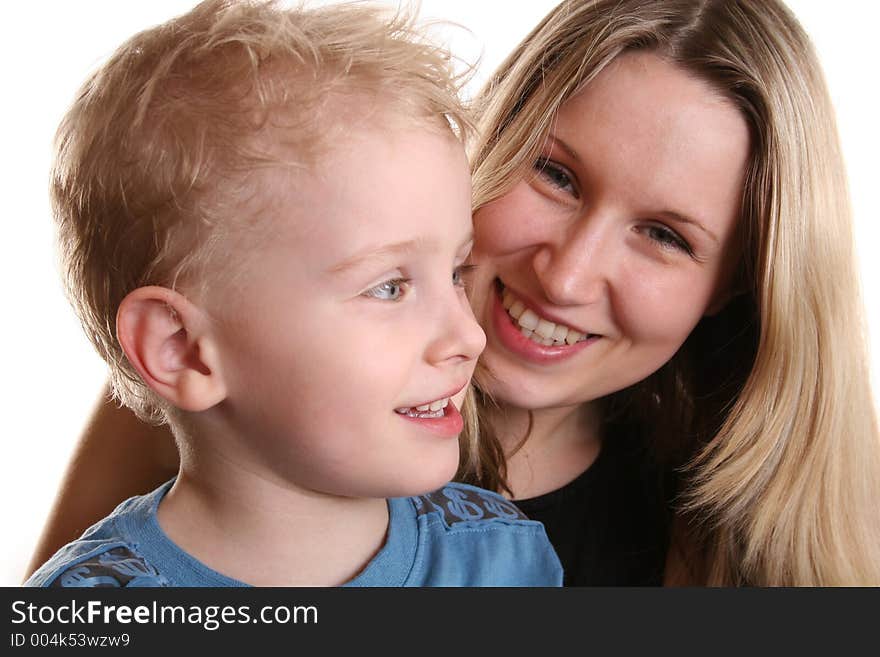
point(470, 536)
point(106, 555)
point(107, 565)
point(456, 503)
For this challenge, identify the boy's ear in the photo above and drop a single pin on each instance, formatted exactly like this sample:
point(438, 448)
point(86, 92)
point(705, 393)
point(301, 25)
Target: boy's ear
point(169, 342)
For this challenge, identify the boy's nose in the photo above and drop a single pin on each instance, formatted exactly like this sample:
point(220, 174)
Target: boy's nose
point(459, 336)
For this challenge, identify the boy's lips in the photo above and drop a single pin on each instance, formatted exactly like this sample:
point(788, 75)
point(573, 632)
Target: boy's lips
point(440, 416)
point(432, 409)
point(446, 422)
point(436, 404)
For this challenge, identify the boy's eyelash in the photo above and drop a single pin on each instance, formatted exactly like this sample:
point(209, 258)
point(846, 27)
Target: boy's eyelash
point(375, 292)
point(394, 289)
point(463, 271)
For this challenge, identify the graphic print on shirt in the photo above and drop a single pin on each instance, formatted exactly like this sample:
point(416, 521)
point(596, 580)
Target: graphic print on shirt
point(458, 504)
point(119, 567)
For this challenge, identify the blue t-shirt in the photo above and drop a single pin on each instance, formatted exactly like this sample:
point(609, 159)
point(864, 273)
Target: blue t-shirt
point(457, 536)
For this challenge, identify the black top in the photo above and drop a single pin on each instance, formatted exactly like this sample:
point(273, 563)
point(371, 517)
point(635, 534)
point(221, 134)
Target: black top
point(610, 526)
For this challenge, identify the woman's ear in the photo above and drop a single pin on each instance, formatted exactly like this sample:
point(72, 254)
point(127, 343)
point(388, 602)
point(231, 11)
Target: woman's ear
point(170, 343)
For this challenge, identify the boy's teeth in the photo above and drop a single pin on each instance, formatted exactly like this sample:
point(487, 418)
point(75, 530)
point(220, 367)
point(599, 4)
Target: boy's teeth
point(434, 409)
point(536, 328)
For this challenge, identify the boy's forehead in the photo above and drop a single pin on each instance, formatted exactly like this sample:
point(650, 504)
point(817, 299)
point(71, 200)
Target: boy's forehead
point(310, 163)
point(360, 183)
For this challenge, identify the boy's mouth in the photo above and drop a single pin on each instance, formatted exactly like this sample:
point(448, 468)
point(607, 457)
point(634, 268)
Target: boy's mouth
point(536, 328)
point(434, 409)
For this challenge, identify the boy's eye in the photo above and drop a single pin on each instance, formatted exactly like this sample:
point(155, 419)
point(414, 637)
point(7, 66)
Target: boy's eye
point(556, 175)
point(391, 290)
point(459, 274)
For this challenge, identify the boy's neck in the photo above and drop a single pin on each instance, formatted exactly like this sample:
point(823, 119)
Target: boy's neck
point(268, 533)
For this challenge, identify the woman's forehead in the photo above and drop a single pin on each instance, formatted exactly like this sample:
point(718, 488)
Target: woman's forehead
point(646, 80)
point(651, 139)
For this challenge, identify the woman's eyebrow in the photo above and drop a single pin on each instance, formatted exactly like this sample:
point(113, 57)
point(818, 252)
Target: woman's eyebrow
point(564, 147)
point(671, 215)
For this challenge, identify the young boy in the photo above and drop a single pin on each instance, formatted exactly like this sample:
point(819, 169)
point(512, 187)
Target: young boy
point(264, 218)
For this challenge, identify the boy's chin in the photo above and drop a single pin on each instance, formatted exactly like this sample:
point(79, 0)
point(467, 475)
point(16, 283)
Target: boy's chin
point(415, 483)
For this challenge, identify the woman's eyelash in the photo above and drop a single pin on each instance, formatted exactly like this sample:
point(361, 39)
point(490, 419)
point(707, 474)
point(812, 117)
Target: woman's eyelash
point(556, 174)
point(561, 178)
point(667, 239)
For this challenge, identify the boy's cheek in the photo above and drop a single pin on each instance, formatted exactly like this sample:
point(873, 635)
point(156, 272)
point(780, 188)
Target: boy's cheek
point(458, 399)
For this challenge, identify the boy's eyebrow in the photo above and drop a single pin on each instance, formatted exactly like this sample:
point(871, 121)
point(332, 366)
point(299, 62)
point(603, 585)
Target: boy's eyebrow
point(384, 251)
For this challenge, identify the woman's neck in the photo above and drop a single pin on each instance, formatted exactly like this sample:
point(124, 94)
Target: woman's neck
point(268, 533)
point(560, 444)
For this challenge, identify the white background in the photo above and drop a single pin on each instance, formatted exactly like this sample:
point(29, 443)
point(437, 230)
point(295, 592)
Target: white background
point(52, 376)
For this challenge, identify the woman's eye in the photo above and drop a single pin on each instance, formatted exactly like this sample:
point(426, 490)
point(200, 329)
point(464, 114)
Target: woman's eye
point(391, 290)
point(460, 274)
point(667, 238)
point(556, 175)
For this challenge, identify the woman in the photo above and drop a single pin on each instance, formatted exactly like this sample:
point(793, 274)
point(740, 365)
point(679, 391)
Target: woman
point(703, 130)
point(666, 281)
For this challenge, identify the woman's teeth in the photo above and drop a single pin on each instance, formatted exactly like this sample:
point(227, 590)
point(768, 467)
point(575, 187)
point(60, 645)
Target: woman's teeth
point(537, 329)
point(432, 410)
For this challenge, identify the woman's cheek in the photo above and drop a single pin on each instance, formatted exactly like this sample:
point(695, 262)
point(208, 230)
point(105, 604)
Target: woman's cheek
point(513, 222)
point(489, 239)
point(660, 306)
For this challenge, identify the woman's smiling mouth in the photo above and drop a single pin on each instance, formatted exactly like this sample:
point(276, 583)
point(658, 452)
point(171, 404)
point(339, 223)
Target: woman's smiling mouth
point(525, 332)
point(536, 328)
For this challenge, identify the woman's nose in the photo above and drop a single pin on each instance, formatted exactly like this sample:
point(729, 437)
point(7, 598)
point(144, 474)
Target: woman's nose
point(574, 269)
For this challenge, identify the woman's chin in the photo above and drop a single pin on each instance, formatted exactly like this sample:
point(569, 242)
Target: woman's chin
point(518, 387)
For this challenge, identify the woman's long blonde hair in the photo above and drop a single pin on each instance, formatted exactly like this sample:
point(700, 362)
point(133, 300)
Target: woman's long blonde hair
point(766, 410)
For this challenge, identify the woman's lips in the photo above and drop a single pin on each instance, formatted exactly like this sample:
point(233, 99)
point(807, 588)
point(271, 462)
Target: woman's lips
point(511, 338)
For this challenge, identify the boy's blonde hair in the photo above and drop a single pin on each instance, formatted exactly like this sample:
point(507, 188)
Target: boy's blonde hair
point(157, 153)
point(766, 407)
